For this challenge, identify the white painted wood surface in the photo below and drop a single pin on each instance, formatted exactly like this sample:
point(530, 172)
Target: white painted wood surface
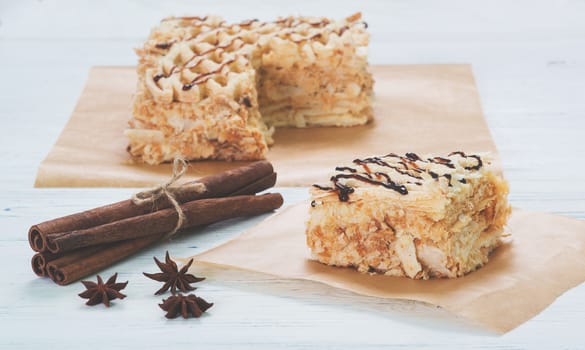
point(529, 61)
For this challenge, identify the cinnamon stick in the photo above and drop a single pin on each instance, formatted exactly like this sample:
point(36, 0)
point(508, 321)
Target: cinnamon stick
point(223, 184)
point(71, 266)
point(75, 265)
point(257, 186)
point(197, 213)
point(39, 262)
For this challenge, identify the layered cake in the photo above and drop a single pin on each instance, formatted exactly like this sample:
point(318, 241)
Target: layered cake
point(212, 90)
point(409, 215)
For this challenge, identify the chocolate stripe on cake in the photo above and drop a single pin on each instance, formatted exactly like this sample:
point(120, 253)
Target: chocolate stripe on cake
point(403, 165)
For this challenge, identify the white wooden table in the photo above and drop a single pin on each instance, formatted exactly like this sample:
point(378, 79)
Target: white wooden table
point(529, 61)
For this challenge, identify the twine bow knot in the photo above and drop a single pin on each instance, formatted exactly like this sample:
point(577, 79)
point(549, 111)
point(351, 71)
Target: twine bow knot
point(169, 191)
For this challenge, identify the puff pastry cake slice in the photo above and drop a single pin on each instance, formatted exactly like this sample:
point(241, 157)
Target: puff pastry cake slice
point(211, 90)
point(408, 215)
point(314, 72)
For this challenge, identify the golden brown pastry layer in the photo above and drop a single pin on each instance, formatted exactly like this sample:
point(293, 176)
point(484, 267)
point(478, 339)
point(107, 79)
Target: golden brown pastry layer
point(212, 90)
point(409, 215)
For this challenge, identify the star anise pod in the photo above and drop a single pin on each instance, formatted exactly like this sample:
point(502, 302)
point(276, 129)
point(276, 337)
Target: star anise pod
point(101, 292)
point(173, 277)
point(184, 305)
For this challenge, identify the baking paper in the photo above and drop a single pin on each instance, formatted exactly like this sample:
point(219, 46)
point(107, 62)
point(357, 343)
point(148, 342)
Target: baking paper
point(418, 108)
point(542, 259)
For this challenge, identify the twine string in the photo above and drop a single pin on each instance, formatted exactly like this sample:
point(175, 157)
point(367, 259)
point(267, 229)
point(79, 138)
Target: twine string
point(169, 191)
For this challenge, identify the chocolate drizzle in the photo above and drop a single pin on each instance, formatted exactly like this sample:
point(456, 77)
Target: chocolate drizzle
point(407, 167)
point(443, 161)
point(345, 168)
point(436, 177)
point(412, 157)
point(248, 22)
point(197, 21)
point(202, 78)
point(246, 101)
point(344, 190)
point(478, 158)
point(165, 46)
point(319, 24)
point(186, 18)
point(176, 69)
point(380, 162)
point(342, 30)
point(323, 188)
point(158, 77)
point(298, 41)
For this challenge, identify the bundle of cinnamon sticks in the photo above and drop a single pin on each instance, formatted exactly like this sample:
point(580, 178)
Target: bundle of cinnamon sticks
point(74, 246)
